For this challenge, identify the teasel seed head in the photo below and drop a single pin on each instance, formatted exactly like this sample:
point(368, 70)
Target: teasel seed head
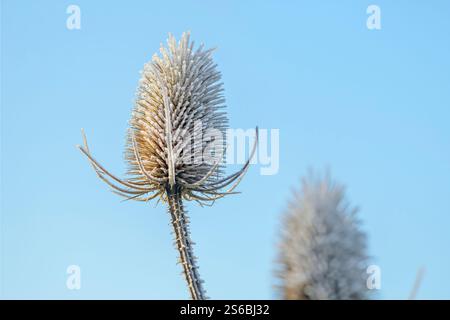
point(175, 143)
point(177, 135)
point(322, 252)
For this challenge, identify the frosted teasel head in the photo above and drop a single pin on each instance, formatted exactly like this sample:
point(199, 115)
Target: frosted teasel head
point(168, 148)
point(322, 252)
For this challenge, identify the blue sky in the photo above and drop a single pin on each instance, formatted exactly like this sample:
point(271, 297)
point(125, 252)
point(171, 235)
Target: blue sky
point(372, 105)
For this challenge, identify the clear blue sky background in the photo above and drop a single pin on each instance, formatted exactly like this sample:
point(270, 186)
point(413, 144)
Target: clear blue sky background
point(374, 106)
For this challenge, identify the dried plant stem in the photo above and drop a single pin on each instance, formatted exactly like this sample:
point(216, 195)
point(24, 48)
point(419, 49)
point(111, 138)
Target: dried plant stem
point(184, 244)
point(417, 283)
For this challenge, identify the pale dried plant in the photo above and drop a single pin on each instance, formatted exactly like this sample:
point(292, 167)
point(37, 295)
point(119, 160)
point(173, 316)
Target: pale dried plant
point(179, 98)
point(322, 252)
point(417, 282)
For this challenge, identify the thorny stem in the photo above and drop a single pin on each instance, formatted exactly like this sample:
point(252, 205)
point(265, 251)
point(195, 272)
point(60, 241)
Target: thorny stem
point(184, 245)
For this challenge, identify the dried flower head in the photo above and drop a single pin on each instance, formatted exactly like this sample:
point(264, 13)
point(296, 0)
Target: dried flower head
point(175, 144)
point(322, 250)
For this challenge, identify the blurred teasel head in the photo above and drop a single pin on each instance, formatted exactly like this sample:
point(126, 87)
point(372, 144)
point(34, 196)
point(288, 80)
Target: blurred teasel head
point(322, 252)
point(175, 143)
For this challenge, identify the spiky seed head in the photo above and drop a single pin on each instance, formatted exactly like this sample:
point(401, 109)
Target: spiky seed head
point(177, 130)
point(322, 250)
point(179, 98)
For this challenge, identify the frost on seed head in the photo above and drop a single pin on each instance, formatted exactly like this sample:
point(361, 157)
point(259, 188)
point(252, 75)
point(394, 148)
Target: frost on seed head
point(177, 133)
point(179, 98)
